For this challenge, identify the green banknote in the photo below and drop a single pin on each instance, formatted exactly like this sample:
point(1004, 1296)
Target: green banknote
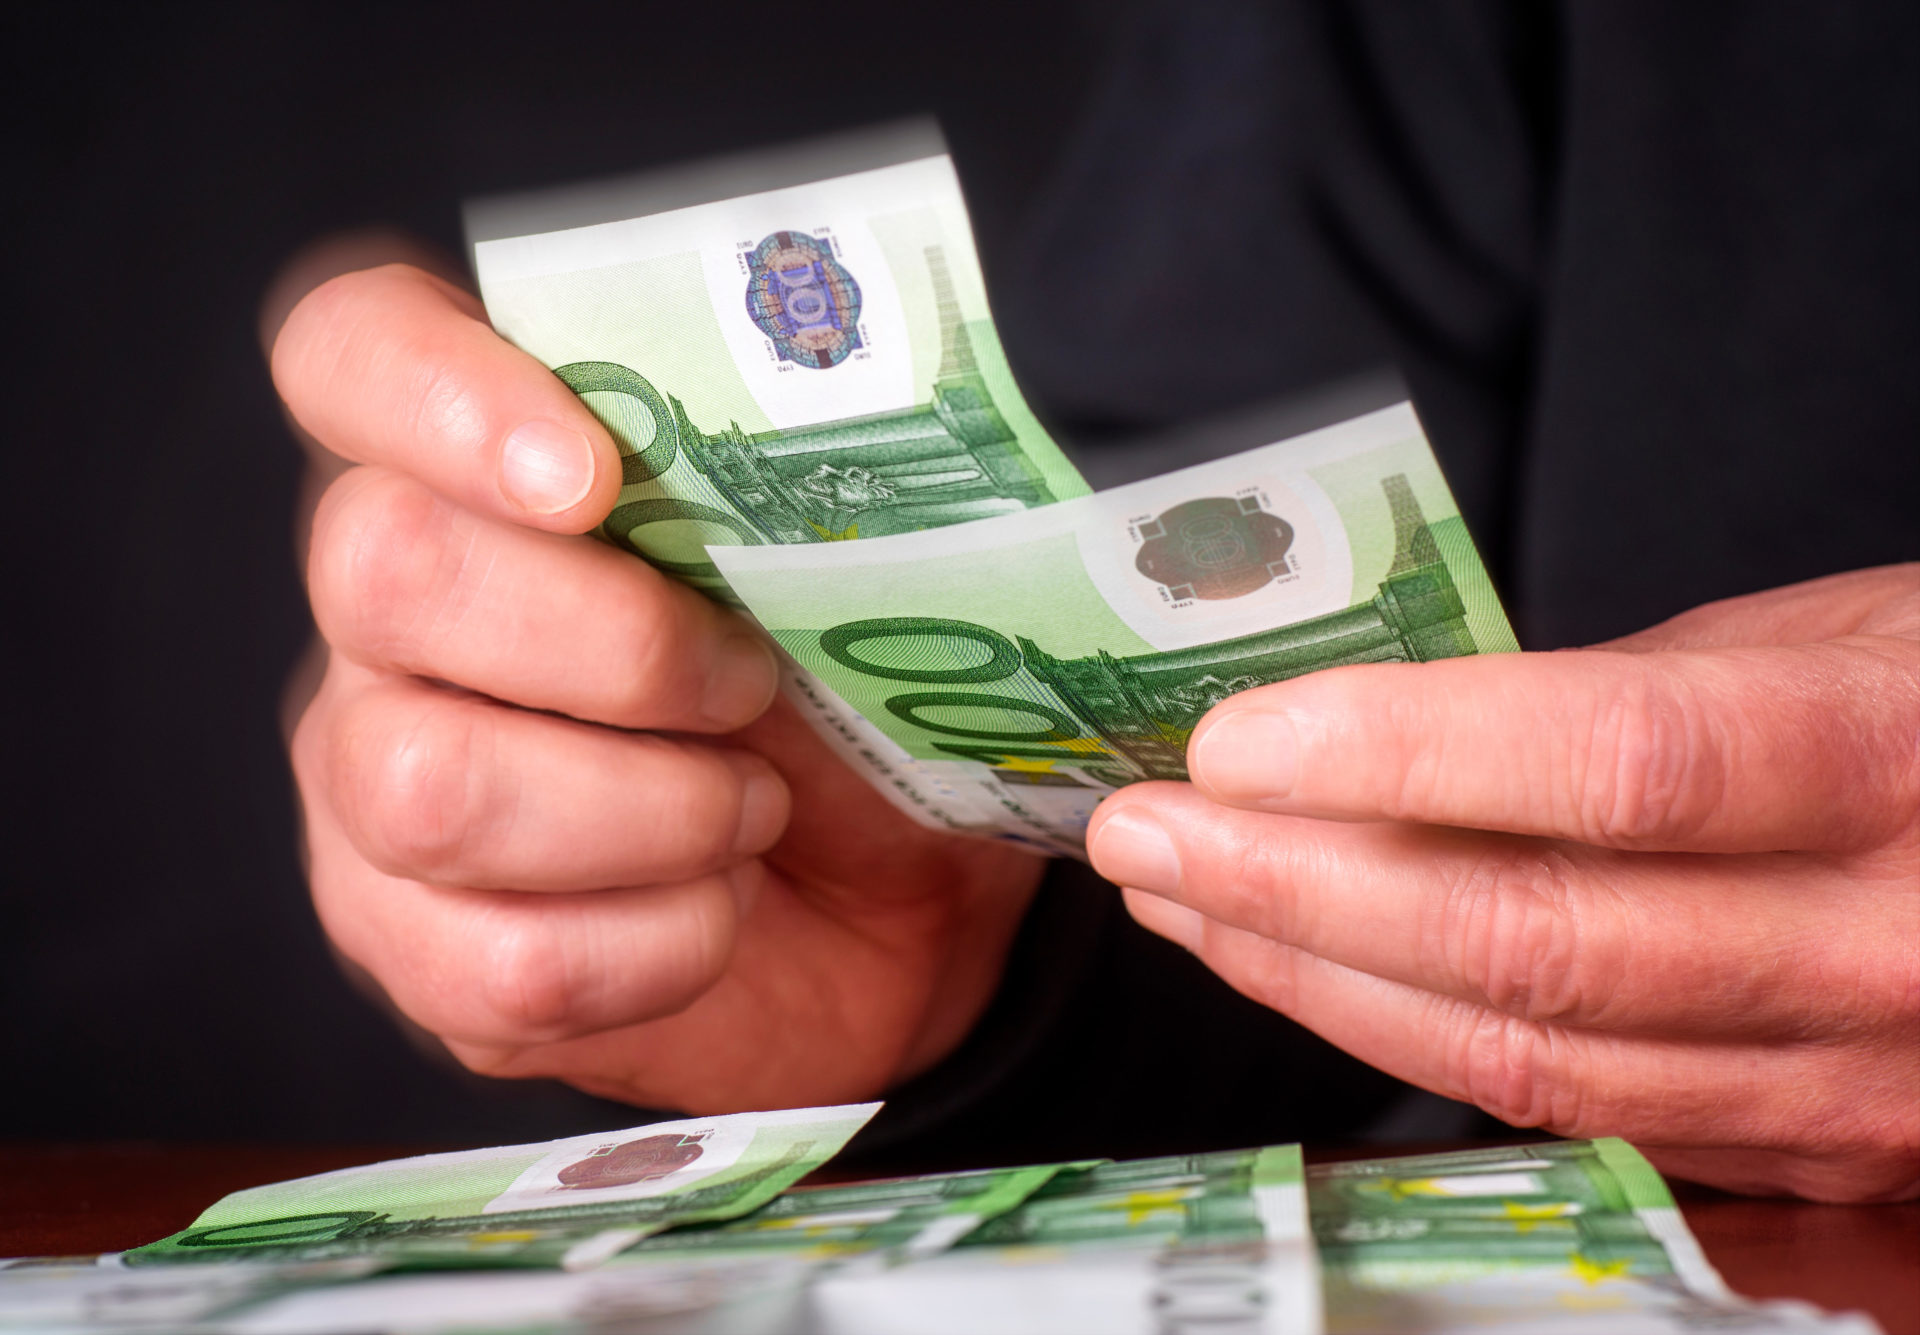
point(1568, 1236)
point(807, 364)
point(570, 1203)
point(744, 1296)
point(1207, 1242)
point(102, 1294)
point(1193, 1197)
point(1002, 676)
point(906, 1218)
point(818, 424)
point(1562, 1238)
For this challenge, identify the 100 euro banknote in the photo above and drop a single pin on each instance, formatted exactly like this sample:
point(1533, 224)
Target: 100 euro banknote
point(1567, 1236)
point(1201, 1242)
point(818, 424)
point(809, 364)
point(571, 1203)
point(1003, 676)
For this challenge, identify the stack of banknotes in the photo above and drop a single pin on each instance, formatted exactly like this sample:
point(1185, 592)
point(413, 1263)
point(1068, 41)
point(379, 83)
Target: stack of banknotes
point(819, 428)
point(698, 1227)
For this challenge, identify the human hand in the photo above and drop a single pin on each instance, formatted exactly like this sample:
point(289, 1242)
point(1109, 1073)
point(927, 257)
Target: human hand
point(548, 807)
point(1667, 888)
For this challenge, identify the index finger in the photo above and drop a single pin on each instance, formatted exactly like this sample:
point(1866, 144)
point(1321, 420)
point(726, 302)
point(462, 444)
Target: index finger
point(396, 367)
point(1725, 750)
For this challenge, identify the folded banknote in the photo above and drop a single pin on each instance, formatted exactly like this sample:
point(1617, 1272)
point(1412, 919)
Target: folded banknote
point(819, 426)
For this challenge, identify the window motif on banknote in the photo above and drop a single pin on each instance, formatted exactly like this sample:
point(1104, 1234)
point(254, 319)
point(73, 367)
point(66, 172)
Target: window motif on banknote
point(1214, 547)
point(622, 1163)
point(803, 299)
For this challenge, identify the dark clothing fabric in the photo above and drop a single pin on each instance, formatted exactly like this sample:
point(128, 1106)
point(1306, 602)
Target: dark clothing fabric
point(1649, 270)
point(1107, 1040)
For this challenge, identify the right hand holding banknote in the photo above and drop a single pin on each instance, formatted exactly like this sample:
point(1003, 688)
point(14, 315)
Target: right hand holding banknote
point(549, 808)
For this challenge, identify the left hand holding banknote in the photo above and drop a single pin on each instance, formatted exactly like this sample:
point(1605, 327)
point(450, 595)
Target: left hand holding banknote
point(544, 807)
point(1667, 888)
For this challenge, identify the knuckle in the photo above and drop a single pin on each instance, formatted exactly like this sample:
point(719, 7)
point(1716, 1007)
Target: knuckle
point(1880, 980)
point(308, 745)
point(412, 791)
point(1270, 974)
point(529, 984)
point(375, 347)
point(1894, 1140)
point(491, 1060)
point(339, 337)
point(1419, 750)
point(1250, 882)
point(1873, 1157)
point(1654, 773)
point(1861, 977)
point(1516, 1070)
point(440, 403)
point(1511, 924)
point(311, 332)
point(695, 821)
point(385, 566)
point(656, 680)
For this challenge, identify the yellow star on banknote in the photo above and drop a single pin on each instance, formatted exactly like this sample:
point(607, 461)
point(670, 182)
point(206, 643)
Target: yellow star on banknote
point(1592, 1272)
point(1143, 1205)
point(1027, 765)
point(1402, 1188)
point(1086, 746)
point(1526, 1218)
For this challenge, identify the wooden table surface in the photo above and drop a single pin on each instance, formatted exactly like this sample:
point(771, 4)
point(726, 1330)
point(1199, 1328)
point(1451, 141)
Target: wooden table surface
point(77, 1199)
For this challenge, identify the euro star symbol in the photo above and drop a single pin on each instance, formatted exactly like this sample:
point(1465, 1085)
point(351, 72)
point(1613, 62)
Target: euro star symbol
point(1592, 1272)
point(1024, 765)
point(1086, 746)
point(1526, 1218)
point(1143, 1205)
point(1402, 1188)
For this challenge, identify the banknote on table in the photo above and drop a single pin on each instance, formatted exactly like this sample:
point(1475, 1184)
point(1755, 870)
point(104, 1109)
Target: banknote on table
point(818, 423)
point(747, 1295)
point(570, 1203)
point(736, 1296)
point(1215, 1242)
point(1560, 1238)
point(103, 1293)
point(894, 1220)
point(1568, 1236)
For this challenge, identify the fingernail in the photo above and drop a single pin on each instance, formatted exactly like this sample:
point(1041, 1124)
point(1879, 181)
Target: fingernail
point(546, 468)
point(1133, 848)
point(1178, 923)
point(763, 814)
point(1247, 756)
point(741, 682)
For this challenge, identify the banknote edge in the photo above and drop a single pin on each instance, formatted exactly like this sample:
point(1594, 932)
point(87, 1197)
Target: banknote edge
point(687, 184)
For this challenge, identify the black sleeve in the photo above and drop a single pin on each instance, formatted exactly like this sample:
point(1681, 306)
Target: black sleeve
point(1650, 274)
point(1104, 1039)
